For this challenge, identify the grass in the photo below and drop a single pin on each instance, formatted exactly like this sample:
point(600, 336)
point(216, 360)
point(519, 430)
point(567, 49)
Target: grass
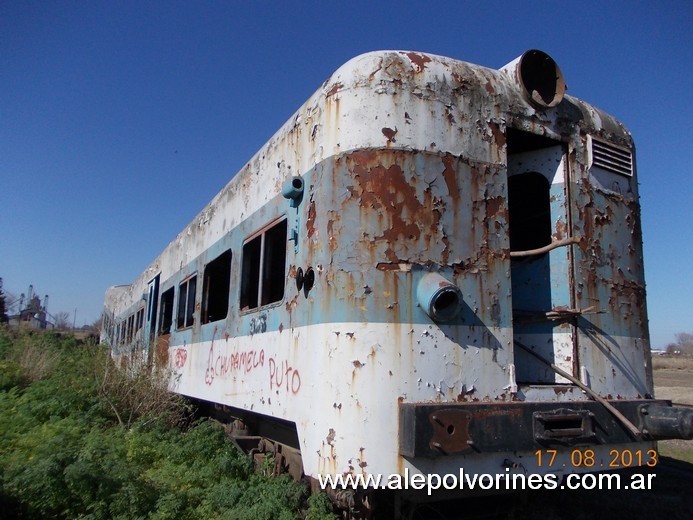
point(677, 449)
point(672, 363)
point(81, 437)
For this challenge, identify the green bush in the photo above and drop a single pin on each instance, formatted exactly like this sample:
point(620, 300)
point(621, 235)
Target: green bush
point(74, 443)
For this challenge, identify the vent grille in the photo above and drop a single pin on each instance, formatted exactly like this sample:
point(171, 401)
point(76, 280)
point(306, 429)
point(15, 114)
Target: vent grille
point(609, 157)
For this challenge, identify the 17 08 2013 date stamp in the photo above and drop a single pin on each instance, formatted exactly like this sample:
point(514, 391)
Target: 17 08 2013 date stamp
point(586, 458)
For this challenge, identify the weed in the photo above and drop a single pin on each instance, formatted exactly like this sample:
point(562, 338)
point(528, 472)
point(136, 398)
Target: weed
point(82, 438)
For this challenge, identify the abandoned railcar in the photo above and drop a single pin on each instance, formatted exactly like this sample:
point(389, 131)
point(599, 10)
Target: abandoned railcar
point(432, 265)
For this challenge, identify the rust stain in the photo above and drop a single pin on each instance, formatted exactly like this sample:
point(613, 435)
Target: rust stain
point(388, 187)
point(331, 237)
point(459, 79)
point(446, 251)
point(371, 76)
point(498, 135)
point(290, 304)
point(310, 223)
point(602, 218)
point(450, 116)
point(382, 266)
point(335, 88)
point(419, 60)
point(390, 134)
point(362, 462)
point(450, 177)
point(495, 207)
point(330, 436)
point(162, 350)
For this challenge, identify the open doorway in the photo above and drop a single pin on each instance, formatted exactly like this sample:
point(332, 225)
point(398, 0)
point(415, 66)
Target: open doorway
point(538, 214)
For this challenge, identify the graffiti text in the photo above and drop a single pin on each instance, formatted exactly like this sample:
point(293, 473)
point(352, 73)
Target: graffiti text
point(284, 376)
point(179, 357)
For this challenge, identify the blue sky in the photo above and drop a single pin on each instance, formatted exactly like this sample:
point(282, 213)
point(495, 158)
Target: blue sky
point(120, 120)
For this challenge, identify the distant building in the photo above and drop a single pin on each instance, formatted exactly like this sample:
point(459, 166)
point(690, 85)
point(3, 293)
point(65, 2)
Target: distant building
point(33, 314)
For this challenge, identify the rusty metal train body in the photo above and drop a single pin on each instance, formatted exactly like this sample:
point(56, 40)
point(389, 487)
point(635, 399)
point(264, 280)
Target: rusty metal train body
point(376, 274)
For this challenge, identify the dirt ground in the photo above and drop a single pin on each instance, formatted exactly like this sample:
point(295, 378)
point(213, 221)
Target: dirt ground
point(673, 378)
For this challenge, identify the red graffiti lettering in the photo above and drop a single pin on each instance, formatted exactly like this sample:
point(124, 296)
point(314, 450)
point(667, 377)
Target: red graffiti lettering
point(284, 377)
point(295, 382)
point(220, 365)
point(179, 358)
point(209, 373)
point(247, 361)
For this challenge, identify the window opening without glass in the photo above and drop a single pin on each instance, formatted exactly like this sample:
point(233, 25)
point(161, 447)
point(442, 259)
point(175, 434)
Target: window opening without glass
point(166, 311)
point(186, 302)
point(215, 288)
point(263, 267)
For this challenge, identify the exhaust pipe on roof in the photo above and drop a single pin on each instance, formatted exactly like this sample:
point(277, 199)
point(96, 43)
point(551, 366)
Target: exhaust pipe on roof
point(539, 78)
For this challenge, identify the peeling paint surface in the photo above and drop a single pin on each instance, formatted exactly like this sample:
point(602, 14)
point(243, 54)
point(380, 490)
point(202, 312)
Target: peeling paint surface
point(406, 159)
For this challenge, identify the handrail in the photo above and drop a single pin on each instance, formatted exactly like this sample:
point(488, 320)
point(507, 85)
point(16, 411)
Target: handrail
point(545, 249)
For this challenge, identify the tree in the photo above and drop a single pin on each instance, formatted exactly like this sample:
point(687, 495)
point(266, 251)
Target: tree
point(3, 308)
point(683, 345)
point(62, 320)
point(98, 323)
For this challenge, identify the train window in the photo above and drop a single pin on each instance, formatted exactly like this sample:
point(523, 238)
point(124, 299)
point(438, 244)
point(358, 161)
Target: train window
point(529, 206)
point(263, 269)
point(131, 321)
point(250, 276)
point(139, 320)
point(273, 264)
point(215, 288)
point(166, 312)
point(186, 302)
